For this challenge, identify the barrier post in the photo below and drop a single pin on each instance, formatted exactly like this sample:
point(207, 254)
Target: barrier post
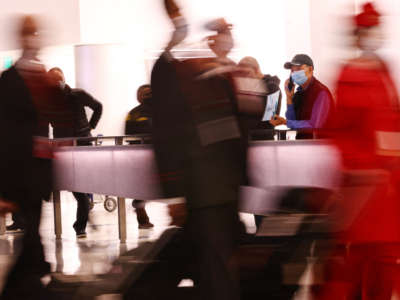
point(57, 214)
point(122, 220)
point(2, 225)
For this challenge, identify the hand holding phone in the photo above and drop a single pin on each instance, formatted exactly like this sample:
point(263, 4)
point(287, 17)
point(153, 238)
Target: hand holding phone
point(289, 89)
point(290, 84)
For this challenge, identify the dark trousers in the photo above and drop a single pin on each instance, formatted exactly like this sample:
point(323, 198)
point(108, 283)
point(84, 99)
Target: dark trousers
point(258, 220)
point(214, 234)
point(83, 201)
point(141, 214)
point(23, 281)
point(82, 212)
point(204, 251)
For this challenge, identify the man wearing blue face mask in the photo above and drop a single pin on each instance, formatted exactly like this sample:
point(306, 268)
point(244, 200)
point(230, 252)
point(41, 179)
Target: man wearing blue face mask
point(308, 108)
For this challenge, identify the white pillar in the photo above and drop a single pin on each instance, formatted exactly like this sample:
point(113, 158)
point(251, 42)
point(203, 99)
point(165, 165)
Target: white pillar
point(108, 72)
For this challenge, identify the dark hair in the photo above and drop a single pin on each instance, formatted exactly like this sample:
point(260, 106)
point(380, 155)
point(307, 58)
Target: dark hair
point(142, 87)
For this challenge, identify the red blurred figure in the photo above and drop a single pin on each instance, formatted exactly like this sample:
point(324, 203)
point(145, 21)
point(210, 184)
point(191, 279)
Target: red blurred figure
point(367, 109)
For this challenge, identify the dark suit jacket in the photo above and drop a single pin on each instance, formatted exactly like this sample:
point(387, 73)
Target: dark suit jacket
point(78, 100)
point(196, 158)
point(18, 122)
point(139, 119)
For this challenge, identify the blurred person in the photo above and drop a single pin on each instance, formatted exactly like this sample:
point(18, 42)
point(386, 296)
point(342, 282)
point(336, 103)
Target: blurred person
point(221, 43)
point(253, 101)
point(250, 67)
point(201, 153)
point(308, 107)
point(250, 64)
point(25, 160)
point(367, 107)
point(74, 123)
point(251, 92)
point(139, 121)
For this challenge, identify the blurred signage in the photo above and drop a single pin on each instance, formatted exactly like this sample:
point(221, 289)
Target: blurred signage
point(7, 62)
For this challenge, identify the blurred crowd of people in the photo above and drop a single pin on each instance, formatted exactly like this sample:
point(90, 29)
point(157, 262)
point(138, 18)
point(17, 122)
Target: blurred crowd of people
point(200, 113)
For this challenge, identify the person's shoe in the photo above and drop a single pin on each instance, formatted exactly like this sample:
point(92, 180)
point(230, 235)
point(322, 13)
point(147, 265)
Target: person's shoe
point(80, 234)
point(14, 228)
point(147, 225)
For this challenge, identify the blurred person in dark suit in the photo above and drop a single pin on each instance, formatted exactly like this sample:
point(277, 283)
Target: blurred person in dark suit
point(25, 159)
point(201, 152)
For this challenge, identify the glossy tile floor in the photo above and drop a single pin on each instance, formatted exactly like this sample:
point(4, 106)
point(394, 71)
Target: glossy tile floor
point(92, 255)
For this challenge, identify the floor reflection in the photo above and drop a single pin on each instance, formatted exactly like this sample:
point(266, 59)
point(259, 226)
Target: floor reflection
point(95, 254)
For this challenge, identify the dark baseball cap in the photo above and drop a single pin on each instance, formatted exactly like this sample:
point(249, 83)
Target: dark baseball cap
point(299, 60)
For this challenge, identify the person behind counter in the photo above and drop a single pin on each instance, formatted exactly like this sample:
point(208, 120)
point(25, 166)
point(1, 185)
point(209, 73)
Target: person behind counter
point(139, 121)
point(77, 99)
point(308, 106)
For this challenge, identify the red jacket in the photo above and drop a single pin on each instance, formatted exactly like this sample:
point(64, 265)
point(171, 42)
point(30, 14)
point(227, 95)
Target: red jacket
point(367, 103)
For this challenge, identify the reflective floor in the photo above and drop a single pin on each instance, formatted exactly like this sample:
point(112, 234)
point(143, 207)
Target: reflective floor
point(95, 253)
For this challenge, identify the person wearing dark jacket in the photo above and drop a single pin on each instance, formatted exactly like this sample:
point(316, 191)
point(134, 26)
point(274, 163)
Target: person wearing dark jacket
point(26, 110)
point(200, 153)
point(309, 107)
point(81, 99)
point(139, 121)
point(77, 99)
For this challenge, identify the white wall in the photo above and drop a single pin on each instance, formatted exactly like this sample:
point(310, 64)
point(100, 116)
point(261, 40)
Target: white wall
point(62, 57)
point(101, 71)
point(391, 25)
point(297, 27)
point(60, 17)
point(330, 25)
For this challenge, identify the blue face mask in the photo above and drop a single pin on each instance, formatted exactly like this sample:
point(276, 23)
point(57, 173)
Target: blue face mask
point(299, 77)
